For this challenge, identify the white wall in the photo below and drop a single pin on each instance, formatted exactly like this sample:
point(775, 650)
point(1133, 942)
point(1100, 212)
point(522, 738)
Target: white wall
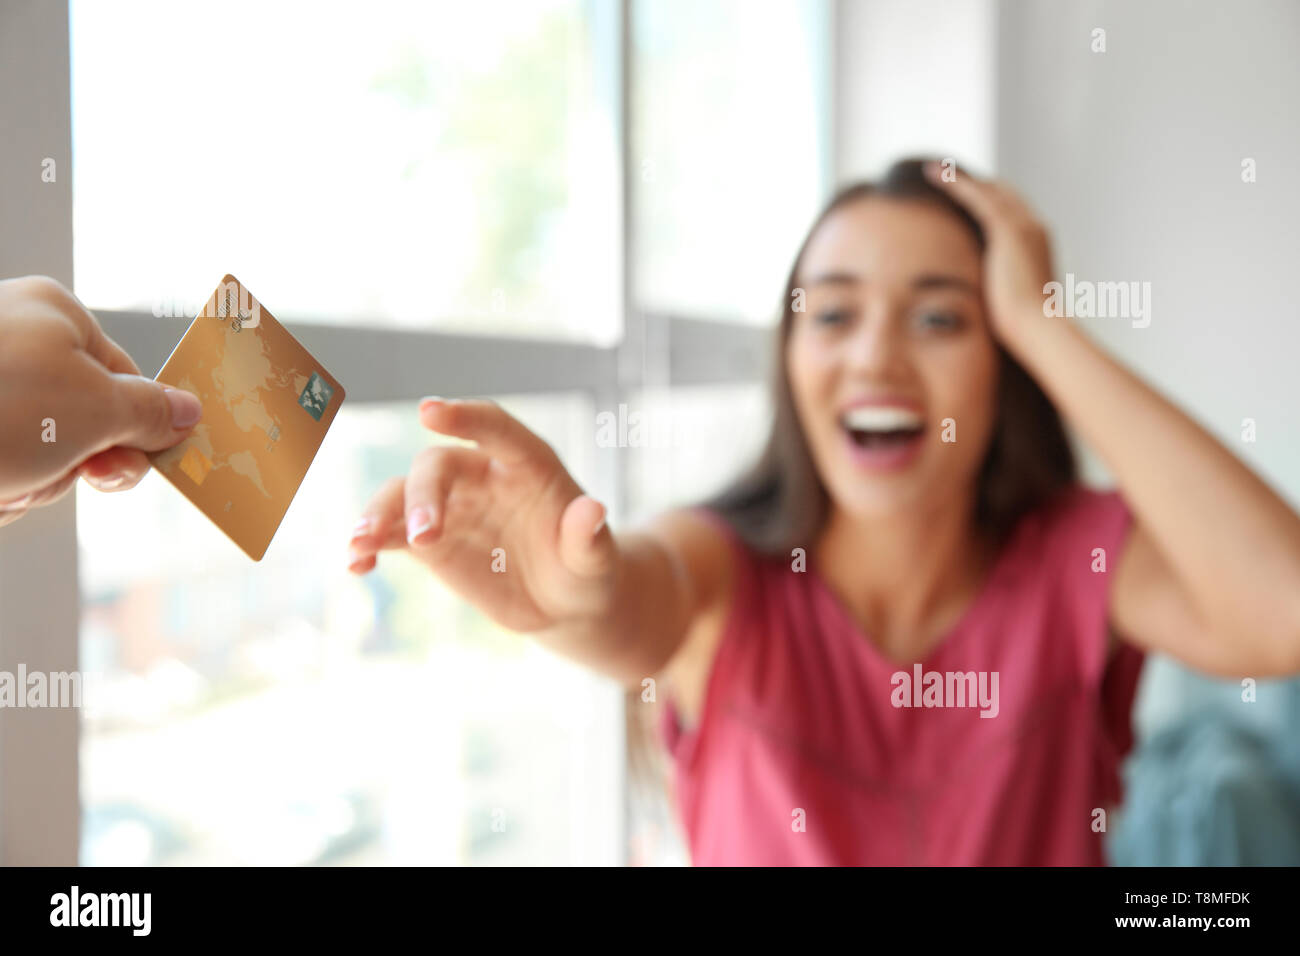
point(913, 77)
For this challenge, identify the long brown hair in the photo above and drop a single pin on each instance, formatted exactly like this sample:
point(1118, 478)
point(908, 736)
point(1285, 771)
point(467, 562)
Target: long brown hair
point(781, 503)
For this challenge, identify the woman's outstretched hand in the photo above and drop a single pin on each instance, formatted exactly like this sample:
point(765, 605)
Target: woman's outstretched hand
point(503, 524)
point(1018, 257)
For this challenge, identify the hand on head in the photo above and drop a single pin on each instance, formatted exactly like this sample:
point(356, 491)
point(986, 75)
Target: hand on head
point(72, 403)
point(1018, 258)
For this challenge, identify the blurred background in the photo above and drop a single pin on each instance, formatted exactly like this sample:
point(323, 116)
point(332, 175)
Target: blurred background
point(585, 209)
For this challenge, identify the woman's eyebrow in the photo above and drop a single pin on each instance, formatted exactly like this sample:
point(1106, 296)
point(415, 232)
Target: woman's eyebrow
point(935, 280)
point(833, 278)
point(927, 280)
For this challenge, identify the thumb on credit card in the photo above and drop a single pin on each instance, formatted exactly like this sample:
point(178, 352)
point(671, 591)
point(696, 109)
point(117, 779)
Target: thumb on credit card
point(149, 415)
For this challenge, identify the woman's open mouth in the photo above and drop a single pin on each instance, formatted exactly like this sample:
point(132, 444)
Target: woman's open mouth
point(883, 437)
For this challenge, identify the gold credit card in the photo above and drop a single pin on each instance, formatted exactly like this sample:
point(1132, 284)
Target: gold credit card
point(267, 405)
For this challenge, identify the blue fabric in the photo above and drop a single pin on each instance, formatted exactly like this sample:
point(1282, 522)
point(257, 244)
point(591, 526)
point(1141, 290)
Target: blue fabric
point(1209, 793)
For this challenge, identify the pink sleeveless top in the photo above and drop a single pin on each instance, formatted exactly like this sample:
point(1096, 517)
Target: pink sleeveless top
point(805, 754)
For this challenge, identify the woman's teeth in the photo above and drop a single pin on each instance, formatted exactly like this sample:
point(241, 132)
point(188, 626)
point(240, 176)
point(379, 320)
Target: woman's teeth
point(882, 425)
point(881, 418)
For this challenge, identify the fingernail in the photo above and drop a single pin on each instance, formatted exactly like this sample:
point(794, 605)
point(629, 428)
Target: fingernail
point(356, 560)
point(429, 401)
point(361, 527)
point(417, 523)
point(108, 483)
point(186, 410)
point(598, 528)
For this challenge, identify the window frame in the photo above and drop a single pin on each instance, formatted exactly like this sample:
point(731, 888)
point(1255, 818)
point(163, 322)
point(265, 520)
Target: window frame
point(40, 812)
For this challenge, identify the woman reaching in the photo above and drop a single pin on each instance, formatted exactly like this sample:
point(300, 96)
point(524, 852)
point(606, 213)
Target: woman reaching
point(913, 537)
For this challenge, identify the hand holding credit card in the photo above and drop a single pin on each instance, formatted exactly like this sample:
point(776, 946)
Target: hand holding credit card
point(267, 404)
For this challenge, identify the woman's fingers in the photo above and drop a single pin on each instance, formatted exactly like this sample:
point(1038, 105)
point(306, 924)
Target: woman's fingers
point(107, 352)
point(428, 486)
point(94, 340)
point(46, 495)
point(411, 510)
point(586, 544)
point(381, 523)
point(149, 415)
point(116, 469)
point(497, 433)
point(1018, 260)
point(993, 204)
point(983, 199)
point(380, 526)
point(1011, 204)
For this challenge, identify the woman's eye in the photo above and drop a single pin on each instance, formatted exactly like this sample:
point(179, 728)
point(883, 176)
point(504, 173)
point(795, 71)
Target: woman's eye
point(831, 317)
point(939, 321)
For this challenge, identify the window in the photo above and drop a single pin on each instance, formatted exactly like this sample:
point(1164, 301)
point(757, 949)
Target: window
point(425, 165)
point(426, 194)
point(730, 147)
point(292, 713)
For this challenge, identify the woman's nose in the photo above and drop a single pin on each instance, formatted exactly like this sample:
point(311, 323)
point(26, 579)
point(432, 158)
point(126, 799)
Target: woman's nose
point(876, 345)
